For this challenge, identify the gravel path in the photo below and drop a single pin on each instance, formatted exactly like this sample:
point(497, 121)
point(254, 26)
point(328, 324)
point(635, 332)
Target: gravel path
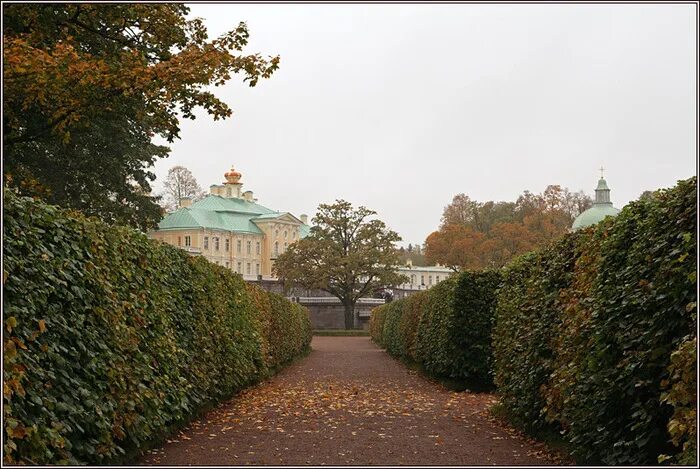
point(349, 403)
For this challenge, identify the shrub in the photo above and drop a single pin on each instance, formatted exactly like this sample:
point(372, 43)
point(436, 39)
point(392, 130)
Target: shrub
point(113, 339)
point(408, 326)
point(391, 336)
point(434, 349)
point(376, 324)
point(454, 333)
point(446, 330)
point(527, 320)
point(586, 328)
point(474, 310)
point(680, 391)
point(644, 297)
point(291, 329)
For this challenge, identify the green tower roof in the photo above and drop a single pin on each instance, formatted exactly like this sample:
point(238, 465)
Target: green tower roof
point(602, 207)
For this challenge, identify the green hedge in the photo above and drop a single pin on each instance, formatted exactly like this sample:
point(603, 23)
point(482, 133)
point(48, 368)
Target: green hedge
point(376, 323)
point(585, 329)
point(113, 339)
point(680, 391)
point(446, 330)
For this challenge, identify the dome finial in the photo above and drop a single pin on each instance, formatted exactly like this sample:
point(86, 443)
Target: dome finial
point(232, 176)
point(601, 172)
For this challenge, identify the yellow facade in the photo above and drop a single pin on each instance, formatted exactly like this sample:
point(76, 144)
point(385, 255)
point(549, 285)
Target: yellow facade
point(248, 253)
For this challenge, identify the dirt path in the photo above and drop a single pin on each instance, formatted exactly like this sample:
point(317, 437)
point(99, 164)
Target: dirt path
point(349, 403)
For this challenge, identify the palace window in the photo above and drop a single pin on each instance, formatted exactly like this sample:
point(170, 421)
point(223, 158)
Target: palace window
point(257, 247)
point(413, 279)
point(247, 268)
point(247, 247)
point(188, 241)
point(294, 235)
point(206, 242)
point(430, 279)
point(277, 248)
point(238, 246)
point(239, 268)
point(227, 264)
point(437, 279)
point(277, 233)
point(422, 279)
point(216, 244)
point(227, 244)
point(179, 241)
point(257, 269)
point(285, 247)
point(285, 234)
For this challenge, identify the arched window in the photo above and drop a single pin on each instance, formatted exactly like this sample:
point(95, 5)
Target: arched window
point(277, 248)
point(285, 234)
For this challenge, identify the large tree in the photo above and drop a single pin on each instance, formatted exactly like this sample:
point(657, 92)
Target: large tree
point(179, 183)
point(348, 254)
point(87, 87)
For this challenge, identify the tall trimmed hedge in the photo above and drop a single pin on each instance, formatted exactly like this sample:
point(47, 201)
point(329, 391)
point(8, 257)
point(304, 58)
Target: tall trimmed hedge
point(586, 329)
point(446, 330)
point(113, 339)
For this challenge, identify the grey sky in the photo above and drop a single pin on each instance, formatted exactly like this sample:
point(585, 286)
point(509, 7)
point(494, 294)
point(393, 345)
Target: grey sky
point(400, 107)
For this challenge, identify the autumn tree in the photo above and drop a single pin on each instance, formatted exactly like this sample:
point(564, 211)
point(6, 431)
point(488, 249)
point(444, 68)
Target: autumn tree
point(87, 87)
point(179, 183)
point(475, 235)
point(454, 246)
point(347, 253)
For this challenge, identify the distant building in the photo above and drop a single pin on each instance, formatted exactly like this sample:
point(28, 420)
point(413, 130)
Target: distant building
point(229, 228)
point(419, 278)
point(602, 207)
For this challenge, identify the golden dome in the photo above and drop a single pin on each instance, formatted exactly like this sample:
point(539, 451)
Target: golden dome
point(232, 176)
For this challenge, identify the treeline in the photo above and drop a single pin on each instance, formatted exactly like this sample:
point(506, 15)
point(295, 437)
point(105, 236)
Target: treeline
point(592, 336)
point(479, 235)
point(112, 339)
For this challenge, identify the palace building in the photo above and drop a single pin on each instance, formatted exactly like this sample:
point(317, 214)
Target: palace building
point(228, 227)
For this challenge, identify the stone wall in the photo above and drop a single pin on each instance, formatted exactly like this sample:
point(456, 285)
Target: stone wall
point(325, 310)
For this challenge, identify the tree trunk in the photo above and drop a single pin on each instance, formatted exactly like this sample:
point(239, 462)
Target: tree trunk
point(349, 315)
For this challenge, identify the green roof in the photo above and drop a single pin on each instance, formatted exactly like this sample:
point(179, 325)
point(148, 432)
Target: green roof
point(215, 202)
point(594, 215)
point(304, 231)
point(216, 220)
point(220, 213)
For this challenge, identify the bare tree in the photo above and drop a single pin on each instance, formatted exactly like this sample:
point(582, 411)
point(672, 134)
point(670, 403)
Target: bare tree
point(178, 184)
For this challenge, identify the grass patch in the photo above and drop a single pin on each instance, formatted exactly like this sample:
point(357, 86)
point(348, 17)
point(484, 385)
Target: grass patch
point(342, 332)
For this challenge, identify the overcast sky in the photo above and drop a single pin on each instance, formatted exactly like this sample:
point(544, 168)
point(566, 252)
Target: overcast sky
point(400, 107)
